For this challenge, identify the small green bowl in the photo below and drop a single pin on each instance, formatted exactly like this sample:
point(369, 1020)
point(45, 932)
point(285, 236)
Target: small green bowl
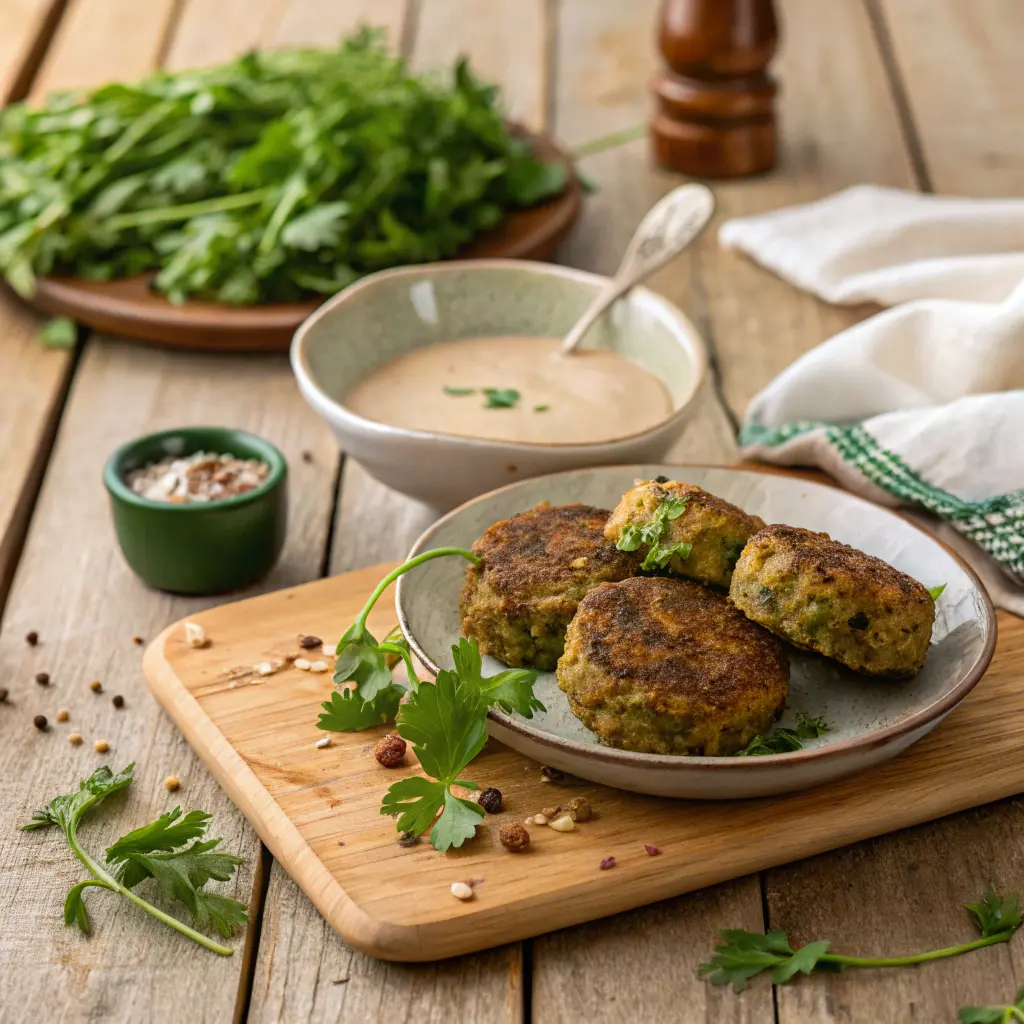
point(201, 548)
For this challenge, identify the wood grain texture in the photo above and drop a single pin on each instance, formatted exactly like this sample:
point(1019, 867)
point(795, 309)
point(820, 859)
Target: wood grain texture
point(319, 809)
point(25, 26)
point(372, 524)
point(324, 22)
point(506, 43)
point(966, 122)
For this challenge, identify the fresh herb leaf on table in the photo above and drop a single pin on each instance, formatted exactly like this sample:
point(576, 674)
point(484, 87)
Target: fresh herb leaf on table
point(781, 740)
point(458, 392)
point(170, 849)
point(740, 955)
point(994, 1014)
point(264, 179)
point(346, 711)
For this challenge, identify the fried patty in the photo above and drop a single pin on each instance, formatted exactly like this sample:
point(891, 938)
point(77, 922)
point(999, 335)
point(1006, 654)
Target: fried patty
point(535, 568)
point(715, 530)
point(665, 666)
point(828, 597)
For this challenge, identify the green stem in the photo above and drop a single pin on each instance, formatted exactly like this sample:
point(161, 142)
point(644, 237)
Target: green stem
point(917, 958)
point(107, 880)
point(406, 655)
point(186, 211)
point(609, 141)
point(404, 568)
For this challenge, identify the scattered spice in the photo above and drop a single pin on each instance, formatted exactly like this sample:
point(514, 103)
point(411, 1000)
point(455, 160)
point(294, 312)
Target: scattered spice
point(514, 837)
point(652, 850)
point(75, 739)
point(579, 809)
point(461, 891)
point(263, 668)
point(549, 774)
point(307, 643)
point(307, 456)
point(390, 750)
point(43, 678)
point(96, 686)
point(138, 640)
point(3, 694)
point(40, 722)
point(551, 812)
point(318, 666)
point(607, 863)
point(490, 800)
point(200, 477)
point(118, 701)
point(322, 744)
point(302, 663)
point(563, 824)
point(538, 819)
point(407, 839)
point(31, 638)
point(195, 635)
point(171, 783)
point(63, 715)
point(101, 746)
point(330, 649)
point(335, 981)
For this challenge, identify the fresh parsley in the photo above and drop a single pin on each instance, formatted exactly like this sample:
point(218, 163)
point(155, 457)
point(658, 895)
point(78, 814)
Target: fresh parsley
point(60, 332)
point(445, 720)
point(936, 591)
point(541, 408)
point(994, 1014)
point(268, 178)
point(170, 849)
point(781, 740)
point(458, 392)
point(740, 955)
point(500, 398)
point(651, 534)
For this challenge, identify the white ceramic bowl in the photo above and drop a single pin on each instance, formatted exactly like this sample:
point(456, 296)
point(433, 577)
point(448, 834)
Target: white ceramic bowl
point(386, 315)
point(871, 720)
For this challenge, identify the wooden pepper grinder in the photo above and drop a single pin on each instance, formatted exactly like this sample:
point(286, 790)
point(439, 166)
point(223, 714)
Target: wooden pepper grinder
point(715, 114)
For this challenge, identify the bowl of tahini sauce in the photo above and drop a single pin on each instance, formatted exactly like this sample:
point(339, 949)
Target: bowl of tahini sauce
point(445, 381)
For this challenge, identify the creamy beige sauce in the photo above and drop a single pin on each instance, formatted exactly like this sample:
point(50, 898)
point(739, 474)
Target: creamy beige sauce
point(591, 395)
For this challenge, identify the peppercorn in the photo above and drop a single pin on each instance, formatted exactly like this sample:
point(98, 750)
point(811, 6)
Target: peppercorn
point(514, 837)
point(404, 839)
point(490, 800)
point(549, 774)
point(307, 643)
point(578, 808)
point(40, 722)
point(3, 694)
point(390, 750)
point(117, 701)
point(96, 686)
point(138, 641)
point(307, 456)
point(43, 678)
point(31, 638)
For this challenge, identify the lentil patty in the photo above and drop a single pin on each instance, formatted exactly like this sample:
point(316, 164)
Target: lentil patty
point(666, 666)
point(715, 530)
point(828, 597)
point(535, 568)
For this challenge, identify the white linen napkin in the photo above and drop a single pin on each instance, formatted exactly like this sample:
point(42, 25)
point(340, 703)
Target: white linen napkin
point(921, 404)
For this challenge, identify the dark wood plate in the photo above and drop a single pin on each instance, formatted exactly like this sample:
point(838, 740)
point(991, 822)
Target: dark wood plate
point(130, 308)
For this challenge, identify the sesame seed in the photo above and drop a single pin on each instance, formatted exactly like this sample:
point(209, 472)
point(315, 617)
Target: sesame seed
point(325, 742)
point(195, 635)
point(302, 663)
point(263, 668)
point(461, 891)
point(318, 666)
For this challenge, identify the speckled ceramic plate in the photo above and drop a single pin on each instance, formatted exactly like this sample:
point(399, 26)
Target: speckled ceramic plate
point(871, 720)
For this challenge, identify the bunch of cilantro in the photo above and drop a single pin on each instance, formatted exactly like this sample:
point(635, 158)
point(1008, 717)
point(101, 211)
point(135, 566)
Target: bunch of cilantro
point(266, 179)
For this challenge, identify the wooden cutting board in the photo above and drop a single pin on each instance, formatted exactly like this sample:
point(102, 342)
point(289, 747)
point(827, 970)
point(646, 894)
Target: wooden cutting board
point(318, 810)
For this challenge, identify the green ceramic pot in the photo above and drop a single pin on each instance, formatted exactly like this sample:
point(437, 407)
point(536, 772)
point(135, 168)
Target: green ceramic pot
point(202, 548)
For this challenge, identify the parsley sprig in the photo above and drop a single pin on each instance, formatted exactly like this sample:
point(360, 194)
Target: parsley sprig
point(994, 1014)
point(445, 720)
point(652, 535)
point(781, 740)
point(740, 955)
point(170, 849)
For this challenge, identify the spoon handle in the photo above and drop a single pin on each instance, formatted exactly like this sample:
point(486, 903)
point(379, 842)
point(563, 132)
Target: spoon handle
point(668, 228)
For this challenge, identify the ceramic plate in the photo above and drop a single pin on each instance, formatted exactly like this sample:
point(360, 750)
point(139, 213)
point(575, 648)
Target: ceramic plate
point(871, 720)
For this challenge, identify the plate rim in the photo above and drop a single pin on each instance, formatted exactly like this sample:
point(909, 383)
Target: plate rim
point(613, 756)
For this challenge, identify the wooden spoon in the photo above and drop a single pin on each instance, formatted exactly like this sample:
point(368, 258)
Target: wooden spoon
point(669, 227)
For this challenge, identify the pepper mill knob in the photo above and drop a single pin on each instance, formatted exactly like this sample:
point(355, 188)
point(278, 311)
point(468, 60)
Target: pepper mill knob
point(715, 114)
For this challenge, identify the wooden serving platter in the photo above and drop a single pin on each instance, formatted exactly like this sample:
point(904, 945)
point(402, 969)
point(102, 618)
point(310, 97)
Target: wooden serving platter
point(129, 307)
point(318, 810)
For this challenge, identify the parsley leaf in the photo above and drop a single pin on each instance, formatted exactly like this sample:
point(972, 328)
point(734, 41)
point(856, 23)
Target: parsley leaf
point(630, 538)
point(510, 690)
point(458, 392)
point(782, 740)
point(660, 555)
point(170, 849)
point(360, 659)
point(994, 1014)
point(741, 955)
point(346, 711)
point(652, 533)
point(541, 408)
point(936, 591)
point(500, 398)
point(60, 332)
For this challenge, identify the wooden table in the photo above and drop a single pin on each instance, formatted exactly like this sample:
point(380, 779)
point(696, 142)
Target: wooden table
point(913, 93)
